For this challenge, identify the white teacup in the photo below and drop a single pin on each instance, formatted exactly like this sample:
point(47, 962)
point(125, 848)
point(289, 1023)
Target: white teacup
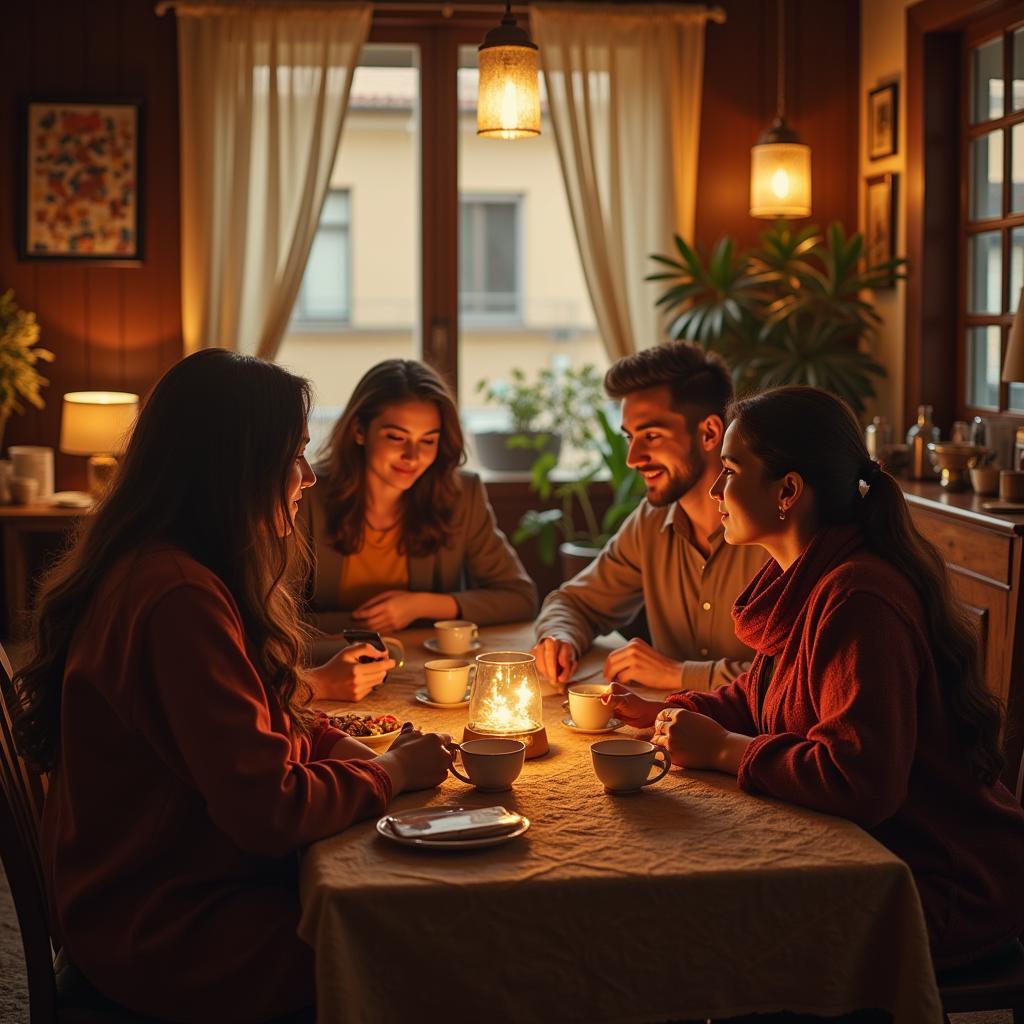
point(587, 709)
point(455, 636)
point(492, 765)
point(624, 766)
point(447, 680)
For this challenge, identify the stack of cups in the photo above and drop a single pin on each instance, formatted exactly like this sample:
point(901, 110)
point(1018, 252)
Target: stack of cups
point(33, 462)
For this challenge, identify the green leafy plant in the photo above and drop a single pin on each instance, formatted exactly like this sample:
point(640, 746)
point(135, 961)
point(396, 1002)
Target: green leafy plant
point(550, 526)
point(20, 381)
point(790, 311)
point(557, 402)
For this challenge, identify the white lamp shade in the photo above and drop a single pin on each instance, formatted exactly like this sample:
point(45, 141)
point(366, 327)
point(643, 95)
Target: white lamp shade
point(780, 180)
point(508, 97)
point(97, 422)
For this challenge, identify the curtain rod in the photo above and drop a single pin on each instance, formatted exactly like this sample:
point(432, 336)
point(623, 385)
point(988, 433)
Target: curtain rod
point(200, 7)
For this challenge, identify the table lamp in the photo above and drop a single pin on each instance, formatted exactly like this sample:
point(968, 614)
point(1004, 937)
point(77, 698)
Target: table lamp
point(97, 424)
point(506, 701)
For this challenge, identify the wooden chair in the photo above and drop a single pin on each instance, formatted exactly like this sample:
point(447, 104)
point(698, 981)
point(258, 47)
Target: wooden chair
point(996, 984)
point(57, 993)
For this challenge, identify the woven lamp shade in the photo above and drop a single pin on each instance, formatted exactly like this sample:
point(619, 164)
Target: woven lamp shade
point(780, 179)
point(508, 100)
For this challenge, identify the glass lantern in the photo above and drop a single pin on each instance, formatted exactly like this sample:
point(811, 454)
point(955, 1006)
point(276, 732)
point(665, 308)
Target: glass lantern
point(506, 701)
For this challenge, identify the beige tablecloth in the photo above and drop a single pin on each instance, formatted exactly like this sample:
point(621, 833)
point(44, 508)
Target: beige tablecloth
point(688, 900)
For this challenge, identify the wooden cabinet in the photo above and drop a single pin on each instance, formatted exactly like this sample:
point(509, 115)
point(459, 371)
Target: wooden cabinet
point(984, 553)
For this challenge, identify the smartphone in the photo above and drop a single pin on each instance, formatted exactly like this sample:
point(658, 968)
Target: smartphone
point(365, 636)
point(454, 823)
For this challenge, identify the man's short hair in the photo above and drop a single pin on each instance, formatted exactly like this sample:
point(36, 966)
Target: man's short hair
point(698, 381)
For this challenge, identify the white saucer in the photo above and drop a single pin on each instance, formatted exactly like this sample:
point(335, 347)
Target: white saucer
point(431, 645)
point(72, 499)
point(384, 828)
point(423, 697)
point(612, 725)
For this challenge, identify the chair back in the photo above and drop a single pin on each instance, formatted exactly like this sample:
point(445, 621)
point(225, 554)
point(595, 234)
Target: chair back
point(21, 805)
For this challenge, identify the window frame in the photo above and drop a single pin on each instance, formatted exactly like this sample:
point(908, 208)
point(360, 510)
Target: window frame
point(477, 319)
point(302, 323)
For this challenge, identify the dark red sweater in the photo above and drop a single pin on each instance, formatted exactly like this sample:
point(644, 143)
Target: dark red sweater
point(179, 802)
point(852, 724)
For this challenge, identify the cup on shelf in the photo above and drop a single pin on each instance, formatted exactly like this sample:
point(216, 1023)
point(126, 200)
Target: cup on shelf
point(24, 490)
point(36, 461)
point(1011, 485)
point(985, 479)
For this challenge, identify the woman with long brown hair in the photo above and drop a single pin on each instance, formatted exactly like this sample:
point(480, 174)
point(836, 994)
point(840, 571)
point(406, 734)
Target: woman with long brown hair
point(865, 697)
point(166, 701)
point(400, 532)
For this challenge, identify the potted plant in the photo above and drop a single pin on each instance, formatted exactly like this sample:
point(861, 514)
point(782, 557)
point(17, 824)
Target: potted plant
point(578, 540)
point(790, 311)
point(20, 381)
point(555, 407)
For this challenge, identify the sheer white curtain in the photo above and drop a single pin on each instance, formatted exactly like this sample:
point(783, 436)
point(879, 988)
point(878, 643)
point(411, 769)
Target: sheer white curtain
point(624, 92)
point(263, 92)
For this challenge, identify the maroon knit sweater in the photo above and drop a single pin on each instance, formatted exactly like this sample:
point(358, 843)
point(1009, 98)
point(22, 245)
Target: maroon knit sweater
point(180, 800)
point(852, 724)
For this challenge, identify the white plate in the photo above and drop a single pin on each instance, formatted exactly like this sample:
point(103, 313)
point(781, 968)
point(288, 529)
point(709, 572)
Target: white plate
point(612, 725)
point(384, 828)
point(379, 742)
point(72, 499)
point(431, 645)
point(424, 698)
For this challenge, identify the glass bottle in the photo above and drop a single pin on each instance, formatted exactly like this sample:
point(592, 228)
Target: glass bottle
point(919, 436)
point(877, 437)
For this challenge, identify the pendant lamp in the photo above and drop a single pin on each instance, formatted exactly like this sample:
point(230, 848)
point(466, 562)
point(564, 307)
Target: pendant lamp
point(508, 98)
point(780, 163)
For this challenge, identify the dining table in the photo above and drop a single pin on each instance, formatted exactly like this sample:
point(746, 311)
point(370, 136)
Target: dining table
point(688, 900)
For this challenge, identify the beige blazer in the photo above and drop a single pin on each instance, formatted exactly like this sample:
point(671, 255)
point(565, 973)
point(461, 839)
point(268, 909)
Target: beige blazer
point(479, 568)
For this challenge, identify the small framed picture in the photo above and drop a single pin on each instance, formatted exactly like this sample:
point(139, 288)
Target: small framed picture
point(81, 194)
point(880, 221)
point(883, 108)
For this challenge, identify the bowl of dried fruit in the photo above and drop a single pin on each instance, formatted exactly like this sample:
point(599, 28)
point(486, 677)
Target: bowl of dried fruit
point(376, 731)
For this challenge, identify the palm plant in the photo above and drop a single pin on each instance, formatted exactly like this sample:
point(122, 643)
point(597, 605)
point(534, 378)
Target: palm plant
point(791, 311)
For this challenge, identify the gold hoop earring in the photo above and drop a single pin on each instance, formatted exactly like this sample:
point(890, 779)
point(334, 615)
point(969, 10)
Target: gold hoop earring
point(782, 513)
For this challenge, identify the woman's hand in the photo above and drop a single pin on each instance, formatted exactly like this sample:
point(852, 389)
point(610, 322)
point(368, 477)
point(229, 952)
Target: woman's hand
point(639, 662)
point(630, 708)
point(696, 741)
point(417, 760)
point(390, 611)
point(346, 677)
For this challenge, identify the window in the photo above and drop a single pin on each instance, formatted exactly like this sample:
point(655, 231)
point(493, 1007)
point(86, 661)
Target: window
point(325, 295)
point(993, 217)
point(489, 244)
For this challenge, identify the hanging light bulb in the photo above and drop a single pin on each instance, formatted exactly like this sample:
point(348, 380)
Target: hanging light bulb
point(508, 97)
point(780, 163)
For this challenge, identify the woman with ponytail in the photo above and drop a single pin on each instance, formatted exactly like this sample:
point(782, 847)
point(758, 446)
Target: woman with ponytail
point(865, 698)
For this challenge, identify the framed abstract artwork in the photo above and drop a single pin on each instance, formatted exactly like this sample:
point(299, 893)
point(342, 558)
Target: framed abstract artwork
point(880, 221)
point(883, 110)
point(81, 197)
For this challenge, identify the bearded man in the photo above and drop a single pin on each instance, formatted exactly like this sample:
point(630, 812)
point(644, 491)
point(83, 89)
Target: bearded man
point(669, 558)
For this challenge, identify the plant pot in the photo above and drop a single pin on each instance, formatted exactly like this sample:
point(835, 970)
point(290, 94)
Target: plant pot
point(494, 453)
point(575, 557)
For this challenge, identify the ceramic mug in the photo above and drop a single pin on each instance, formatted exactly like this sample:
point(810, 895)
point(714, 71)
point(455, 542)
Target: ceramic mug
point(984, 479)
point(447, 680)
point(396, 650)
point(1011, 485)
point(455, 636)
point(492, 765)
point(624, 766)
point(586, 708)
point(24, 490)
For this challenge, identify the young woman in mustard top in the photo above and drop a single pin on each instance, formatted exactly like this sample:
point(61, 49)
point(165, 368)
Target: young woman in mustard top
point(400, 533)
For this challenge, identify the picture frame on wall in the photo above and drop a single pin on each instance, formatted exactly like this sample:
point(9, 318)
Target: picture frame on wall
point(880, 221)
point(80, 197)
point(883, 112)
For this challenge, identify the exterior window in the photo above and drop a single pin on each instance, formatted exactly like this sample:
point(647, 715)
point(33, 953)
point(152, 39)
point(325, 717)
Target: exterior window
point(489, 276)
point(325, 295)
point(992, 222)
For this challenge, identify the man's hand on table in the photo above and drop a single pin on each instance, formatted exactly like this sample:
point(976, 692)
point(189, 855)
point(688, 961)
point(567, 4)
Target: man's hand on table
point(639, 662)
point(556, 659)
point(697, 741)
point(632, 709)
point(417, 760)
point(346, 676)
